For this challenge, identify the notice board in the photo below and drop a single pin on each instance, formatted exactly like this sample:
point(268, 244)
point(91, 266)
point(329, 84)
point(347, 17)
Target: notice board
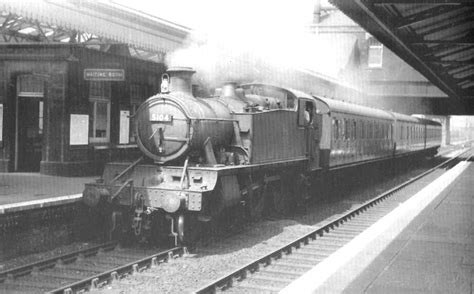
point(124, 127)
point(79, 129)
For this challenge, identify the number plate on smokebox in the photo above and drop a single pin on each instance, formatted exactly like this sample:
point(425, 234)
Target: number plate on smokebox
point(161, 117)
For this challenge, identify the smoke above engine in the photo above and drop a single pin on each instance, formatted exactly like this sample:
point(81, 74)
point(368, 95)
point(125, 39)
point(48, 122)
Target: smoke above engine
point(267, 41)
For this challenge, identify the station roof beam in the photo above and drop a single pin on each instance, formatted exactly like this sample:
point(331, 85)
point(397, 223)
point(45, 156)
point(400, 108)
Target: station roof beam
point(435, 37)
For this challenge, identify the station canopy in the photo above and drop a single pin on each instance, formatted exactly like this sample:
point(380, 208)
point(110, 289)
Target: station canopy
point(94, 24)
point(436, 37)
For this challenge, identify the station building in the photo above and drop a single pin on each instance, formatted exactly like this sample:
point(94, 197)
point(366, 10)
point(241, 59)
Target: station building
point(65, 109)
point(71, 76)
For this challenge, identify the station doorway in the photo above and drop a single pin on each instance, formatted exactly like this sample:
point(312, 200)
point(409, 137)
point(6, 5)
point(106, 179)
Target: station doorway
point(29, 124)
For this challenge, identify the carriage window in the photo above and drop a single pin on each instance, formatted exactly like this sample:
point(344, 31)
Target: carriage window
point(335, 129)
point(354, 129)
point(367, 130)
point(346, 133)
point(342, 129)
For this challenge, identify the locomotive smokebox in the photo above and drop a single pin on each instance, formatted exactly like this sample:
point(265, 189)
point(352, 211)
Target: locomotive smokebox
point(171, 124)
point(181, 79)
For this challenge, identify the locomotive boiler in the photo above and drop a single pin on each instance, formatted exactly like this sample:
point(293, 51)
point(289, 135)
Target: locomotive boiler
point(252, 148)
point(175, 123)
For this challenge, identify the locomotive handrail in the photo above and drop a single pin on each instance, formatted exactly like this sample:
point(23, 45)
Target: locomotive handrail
point(214, 119)
point(184, 173)
point(125, 184)
point(127, 169)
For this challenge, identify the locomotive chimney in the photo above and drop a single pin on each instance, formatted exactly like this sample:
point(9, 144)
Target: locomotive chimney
point(180, 79)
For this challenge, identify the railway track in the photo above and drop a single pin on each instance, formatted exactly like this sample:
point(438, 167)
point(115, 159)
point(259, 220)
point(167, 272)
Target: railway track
point(83, 269)
point(274, 271)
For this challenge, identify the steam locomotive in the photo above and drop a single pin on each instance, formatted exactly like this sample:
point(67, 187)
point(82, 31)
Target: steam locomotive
point(250, 148)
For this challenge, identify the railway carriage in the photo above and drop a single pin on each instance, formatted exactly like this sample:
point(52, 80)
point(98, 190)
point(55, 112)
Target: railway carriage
point(253, 148)
point(356, 133)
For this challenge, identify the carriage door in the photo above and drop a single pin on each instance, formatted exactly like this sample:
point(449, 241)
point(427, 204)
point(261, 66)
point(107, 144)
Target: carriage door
point(311, 122)
point(29, 124)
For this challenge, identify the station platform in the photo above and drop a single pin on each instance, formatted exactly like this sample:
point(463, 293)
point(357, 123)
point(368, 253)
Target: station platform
point(426, 245)
point(22, 191)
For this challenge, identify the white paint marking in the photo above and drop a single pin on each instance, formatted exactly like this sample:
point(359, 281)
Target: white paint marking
point(38, 203)
point(364, 248)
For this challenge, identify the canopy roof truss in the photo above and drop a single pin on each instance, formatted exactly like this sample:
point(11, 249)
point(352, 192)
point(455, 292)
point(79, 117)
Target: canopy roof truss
point(18, 29)
point(436, 37)
point(95, 25)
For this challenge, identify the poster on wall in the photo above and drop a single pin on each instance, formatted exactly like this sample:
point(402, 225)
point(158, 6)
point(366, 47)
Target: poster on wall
point(79, 129)
point(124, 127)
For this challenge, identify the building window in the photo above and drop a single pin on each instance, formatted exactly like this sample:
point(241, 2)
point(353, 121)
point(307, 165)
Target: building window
point(40, 118)
point(375, 53)
point(99, 101)
point(30, 86)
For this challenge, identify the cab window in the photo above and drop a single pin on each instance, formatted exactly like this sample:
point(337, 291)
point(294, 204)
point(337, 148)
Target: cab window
point(305, 112)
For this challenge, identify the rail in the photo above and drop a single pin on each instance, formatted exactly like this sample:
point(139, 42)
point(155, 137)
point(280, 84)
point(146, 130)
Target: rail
point(95, 281)
point(53, 261)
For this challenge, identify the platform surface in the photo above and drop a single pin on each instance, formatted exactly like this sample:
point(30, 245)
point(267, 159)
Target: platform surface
point(434, 254)
point(421, 248)
point(23, 187)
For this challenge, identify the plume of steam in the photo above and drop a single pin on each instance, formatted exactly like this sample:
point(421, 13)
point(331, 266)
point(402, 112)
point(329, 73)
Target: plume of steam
point(264, 41)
